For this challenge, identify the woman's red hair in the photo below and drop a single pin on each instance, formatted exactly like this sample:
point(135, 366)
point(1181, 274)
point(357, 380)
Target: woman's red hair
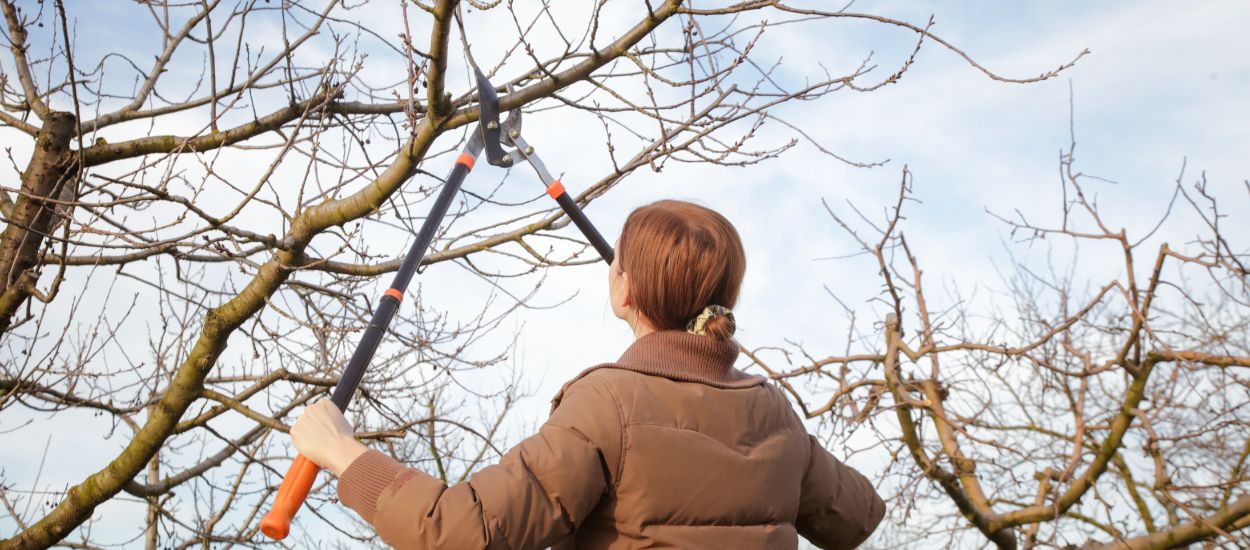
point(681, 258)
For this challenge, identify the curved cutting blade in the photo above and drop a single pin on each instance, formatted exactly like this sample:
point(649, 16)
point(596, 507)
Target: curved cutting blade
point(488, 103)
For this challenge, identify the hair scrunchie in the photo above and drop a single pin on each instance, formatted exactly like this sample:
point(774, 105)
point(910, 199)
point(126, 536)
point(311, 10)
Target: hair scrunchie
point(695, 326)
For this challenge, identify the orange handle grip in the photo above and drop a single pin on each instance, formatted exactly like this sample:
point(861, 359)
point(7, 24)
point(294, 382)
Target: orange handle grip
point(295, 486)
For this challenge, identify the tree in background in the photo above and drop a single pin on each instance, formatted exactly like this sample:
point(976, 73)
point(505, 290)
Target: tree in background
point(209, 192)
point(1067, 409)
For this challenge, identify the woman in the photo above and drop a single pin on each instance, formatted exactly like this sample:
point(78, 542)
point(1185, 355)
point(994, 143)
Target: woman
point(670, 446)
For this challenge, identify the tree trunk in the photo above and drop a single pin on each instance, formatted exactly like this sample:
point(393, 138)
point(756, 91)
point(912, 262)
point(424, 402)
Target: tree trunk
point(33, 214)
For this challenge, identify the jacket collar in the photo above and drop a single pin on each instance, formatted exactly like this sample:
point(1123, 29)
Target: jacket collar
point(681, 356)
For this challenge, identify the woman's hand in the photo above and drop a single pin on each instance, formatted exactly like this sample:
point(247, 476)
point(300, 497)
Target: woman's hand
point(323, 436)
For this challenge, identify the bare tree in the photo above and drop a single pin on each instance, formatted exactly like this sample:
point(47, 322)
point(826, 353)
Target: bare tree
point(1103, 412)
point(194, 241)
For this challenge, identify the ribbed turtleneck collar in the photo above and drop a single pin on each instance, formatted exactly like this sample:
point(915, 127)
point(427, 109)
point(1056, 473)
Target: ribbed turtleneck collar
point(682, 356)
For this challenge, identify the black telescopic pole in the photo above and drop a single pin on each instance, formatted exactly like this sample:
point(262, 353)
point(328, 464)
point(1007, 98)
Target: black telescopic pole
point(300, 477)
point(574, 212)
point(556, 190)
point(389, 303)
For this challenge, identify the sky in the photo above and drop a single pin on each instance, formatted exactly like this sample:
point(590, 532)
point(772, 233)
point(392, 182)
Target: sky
point(1163, 87)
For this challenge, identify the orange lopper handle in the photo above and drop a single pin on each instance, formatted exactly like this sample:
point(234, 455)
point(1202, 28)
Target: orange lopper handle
point(295, 486)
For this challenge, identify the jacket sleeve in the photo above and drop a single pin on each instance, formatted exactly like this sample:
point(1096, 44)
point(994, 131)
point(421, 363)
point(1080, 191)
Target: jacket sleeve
point(536, 495)
point(838, 507)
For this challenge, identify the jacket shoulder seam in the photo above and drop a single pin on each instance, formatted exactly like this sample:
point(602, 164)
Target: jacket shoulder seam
point(692, 430)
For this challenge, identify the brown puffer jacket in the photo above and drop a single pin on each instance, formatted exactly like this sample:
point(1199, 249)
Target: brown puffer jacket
point(670, 447)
